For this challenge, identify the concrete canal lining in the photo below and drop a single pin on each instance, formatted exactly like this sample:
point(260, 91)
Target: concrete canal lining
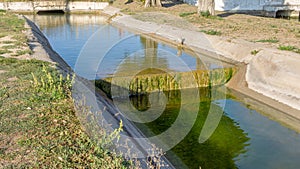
point(58, 5)
point(272, 76)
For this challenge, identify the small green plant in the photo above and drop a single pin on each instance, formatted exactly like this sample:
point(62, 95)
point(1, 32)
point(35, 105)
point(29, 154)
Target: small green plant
point(288, 48)
point(131, 13)
point(205, 14)
point(211, 32)
point(271, 40)
point(184, 14)
point(209, 16)
point(52, 85)
point(254, 52)
point(23, 52)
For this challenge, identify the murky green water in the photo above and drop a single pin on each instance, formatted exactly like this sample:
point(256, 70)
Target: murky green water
point(221, 150)
point(244, 138)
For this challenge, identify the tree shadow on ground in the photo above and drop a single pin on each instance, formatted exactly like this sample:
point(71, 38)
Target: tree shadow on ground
point(170, 3)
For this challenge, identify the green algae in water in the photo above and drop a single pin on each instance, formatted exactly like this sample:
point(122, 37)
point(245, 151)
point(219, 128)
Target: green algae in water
point(226, 143)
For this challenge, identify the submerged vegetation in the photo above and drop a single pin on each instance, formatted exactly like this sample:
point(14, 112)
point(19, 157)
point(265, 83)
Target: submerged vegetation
point(145, 83)
point(219, 151)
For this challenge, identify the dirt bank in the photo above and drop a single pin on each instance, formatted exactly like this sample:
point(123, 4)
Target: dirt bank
point(269, 75)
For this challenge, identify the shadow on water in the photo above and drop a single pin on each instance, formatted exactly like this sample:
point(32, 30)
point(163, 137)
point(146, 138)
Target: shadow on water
point(51, 12)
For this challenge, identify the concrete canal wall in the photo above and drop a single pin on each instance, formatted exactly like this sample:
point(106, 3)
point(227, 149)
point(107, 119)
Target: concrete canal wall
point(66, 6)
point(267, 7)
point(270, 77)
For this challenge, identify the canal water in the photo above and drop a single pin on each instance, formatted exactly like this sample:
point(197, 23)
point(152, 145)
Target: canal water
point(244, 137)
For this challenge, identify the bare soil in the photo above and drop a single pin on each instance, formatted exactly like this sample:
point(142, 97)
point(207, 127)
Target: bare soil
point(275, 32)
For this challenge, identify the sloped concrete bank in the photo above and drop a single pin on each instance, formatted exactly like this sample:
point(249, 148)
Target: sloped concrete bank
point(271, 76)
point(41, 47)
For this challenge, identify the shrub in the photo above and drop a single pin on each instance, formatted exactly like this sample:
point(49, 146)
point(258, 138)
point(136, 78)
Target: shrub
point(254, 52)
point(211, 32)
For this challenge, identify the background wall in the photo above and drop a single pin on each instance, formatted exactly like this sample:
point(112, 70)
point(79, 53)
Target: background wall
point(52, 5)
point(243, 5)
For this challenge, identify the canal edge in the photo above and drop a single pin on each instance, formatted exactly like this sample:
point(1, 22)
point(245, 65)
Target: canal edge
point(236, 52)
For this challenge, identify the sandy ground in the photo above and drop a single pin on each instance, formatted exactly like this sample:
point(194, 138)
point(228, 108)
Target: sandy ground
point(271, 76)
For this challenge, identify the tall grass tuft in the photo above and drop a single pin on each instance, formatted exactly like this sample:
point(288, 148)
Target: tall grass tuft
point(52, 85)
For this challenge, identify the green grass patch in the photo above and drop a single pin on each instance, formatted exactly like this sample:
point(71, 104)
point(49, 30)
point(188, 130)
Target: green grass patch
point(2, 35)
point(4, 51)
point(205, 14)
point(271, 40)
point(184, 14)
point(13, 26)
point(8, 47)
point(22, 52)
point(8, 42)
point(289, 48)
point(211, 32)
point(209, 16)
point(37, 110)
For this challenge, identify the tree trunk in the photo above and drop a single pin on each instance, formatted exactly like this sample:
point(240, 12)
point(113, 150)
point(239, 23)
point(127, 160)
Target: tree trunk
point(158, 3)
point(149, 3)
point(206, 6)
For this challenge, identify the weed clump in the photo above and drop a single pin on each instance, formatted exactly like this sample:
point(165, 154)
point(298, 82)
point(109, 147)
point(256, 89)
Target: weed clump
point(211, 32)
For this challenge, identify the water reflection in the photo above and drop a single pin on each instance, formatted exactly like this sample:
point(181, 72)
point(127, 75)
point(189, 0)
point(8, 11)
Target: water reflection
point(136, 53)
point(68, 35)
point(267, 144)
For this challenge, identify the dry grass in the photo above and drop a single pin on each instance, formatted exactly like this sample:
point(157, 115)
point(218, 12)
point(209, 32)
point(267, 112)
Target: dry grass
point(248, 27)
